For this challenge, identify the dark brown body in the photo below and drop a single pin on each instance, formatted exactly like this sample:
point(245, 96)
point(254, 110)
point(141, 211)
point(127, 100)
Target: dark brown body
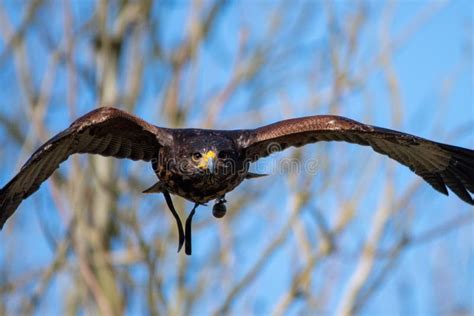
point(179, 177)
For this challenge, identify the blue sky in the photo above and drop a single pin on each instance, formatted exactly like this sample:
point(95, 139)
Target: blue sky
point(435, 71)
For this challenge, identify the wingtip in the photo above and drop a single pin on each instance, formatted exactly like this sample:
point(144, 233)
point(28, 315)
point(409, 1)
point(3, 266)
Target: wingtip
point(3, 218)
point(469, 200)
point(459, 174)
point(2, 211)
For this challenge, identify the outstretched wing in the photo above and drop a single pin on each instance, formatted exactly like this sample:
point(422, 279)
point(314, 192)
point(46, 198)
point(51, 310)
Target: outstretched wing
point(105, 131)
point(438, 164)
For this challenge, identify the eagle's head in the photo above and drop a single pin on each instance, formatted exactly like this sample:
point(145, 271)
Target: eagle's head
point(206, 156)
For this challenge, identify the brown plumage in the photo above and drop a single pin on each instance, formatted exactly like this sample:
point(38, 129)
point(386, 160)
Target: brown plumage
point(202, 165)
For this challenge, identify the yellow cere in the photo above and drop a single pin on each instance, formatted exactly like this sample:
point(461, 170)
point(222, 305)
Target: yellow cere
point(204, 160)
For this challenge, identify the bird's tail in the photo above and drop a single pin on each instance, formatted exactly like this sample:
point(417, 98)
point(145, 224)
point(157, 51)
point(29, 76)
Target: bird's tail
point(156, 188)
point(252, 175)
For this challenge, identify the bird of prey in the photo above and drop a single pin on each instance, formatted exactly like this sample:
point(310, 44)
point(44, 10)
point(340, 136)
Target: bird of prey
point(201, 165)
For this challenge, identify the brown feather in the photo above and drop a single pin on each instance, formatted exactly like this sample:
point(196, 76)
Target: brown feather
point(112, 132)
point(438, 164)
point(104, 131)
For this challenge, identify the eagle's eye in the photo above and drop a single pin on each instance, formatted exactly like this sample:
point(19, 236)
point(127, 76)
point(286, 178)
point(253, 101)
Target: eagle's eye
point(196, 156)
point(224, 155)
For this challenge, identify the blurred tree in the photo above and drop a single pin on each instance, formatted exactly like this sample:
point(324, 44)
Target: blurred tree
point(90, 242)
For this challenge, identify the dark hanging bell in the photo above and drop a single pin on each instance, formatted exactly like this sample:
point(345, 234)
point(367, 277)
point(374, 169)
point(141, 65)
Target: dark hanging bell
point(219, 209)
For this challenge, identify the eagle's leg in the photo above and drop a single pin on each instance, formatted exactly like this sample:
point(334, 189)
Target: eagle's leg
point(176, 217)
point(187, 234)
point(219, 209)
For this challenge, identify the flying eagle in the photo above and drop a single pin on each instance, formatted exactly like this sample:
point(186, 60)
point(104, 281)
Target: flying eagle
point(201, 165)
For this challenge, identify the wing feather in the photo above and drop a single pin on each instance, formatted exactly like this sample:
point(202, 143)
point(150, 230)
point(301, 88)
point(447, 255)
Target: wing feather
point(104, 131)
point(442, 166)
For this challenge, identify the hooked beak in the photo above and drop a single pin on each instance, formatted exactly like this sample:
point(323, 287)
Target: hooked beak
point(209, 161)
